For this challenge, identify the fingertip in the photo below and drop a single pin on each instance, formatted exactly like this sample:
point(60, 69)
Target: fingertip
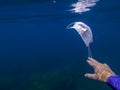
point(88, 61)
point(91, 76)
point(89, 58)
point(85, 75)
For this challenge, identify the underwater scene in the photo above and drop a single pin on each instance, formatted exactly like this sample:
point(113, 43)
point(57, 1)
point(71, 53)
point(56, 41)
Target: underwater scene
point(42, 46)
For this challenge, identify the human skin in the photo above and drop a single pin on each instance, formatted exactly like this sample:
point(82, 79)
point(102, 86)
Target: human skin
point(101, 71)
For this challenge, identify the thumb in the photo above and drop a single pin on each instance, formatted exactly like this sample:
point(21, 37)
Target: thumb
point(91, 76)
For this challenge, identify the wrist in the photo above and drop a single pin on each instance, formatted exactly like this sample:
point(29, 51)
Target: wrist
point(104, 76)
point(109, 75)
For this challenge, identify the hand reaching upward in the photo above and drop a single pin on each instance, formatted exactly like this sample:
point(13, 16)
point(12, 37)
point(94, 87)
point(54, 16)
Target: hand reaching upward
point(101, 71)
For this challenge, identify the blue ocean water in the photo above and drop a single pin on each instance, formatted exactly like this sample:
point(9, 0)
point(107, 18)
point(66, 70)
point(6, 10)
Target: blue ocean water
point(37, 52)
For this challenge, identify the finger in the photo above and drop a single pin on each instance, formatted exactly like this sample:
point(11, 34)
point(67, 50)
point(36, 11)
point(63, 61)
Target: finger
point(96, 66)
point(106, 65)
point(93, 60)
point(109, 69)
point(91, 63)
point(91, 76)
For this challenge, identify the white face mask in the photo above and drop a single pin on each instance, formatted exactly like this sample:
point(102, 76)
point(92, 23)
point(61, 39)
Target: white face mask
point(85, 32)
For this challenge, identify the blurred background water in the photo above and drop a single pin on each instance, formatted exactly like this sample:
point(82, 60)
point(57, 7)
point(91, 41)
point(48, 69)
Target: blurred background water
point(37, 52)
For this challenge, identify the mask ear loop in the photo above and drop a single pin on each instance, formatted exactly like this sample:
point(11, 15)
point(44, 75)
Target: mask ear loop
point(70, 26)
point(89, 52)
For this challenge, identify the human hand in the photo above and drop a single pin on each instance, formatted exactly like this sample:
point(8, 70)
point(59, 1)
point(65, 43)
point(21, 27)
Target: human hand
point(101, 71)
